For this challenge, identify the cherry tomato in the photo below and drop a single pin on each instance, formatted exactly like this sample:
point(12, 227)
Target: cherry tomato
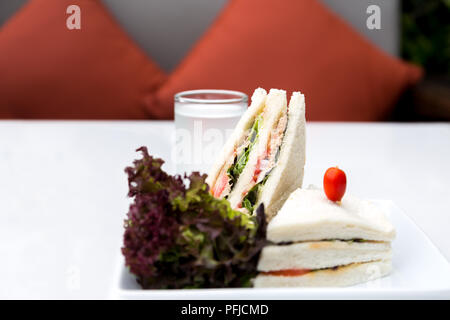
point(334, 183)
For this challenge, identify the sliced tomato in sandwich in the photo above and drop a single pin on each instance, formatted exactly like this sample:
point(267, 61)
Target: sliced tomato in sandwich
point(220, 185)
point(287, 272)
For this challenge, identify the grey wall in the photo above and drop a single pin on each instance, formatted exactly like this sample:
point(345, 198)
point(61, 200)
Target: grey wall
point(166, 29)
point(354, 11)
point(8, 7)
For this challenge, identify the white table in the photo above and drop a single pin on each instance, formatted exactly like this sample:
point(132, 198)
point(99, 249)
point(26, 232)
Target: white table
point(63, 191)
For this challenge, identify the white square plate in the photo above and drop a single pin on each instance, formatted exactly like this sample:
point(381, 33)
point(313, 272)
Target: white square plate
point(419, 272)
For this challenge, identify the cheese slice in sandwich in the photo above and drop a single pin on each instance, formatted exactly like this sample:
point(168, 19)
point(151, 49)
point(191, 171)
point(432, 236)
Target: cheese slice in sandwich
point(317, 242)
point(263, 160)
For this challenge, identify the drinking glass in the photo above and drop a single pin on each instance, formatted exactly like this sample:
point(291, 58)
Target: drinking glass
point(204, 119)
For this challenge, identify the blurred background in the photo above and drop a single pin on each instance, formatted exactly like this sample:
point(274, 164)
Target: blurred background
point(129, 58)
point(417, 31)
point(425, 40)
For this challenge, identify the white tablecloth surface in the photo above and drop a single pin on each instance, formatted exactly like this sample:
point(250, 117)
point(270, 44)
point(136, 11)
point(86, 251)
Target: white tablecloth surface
point(63, 191)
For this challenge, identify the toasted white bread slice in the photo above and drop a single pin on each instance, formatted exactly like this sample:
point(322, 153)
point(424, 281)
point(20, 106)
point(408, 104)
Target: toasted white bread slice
point(258, 103)
point(276, 105)
point(336, 277)
point(308, 215)
point(321, 254)
point(288, 172)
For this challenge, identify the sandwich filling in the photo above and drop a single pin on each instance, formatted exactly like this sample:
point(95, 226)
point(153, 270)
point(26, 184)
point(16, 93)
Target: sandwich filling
point(265, 164)
point(287, 272)
point(234, 166)
point(301, 272)
point(267, 160)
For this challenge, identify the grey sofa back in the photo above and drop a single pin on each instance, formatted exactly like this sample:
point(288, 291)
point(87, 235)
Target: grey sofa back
point(167, 29)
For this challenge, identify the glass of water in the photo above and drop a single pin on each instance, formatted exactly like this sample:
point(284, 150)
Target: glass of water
point(204, 119)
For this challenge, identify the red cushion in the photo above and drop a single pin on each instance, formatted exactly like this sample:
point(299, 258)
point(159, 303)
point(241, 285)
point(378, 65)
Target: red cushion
point(48, 71)
point(294, 45)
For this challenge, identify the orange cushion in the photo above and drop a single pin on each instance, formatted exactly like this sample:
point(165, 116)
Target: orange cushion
point(294, 45)
point(49, 71)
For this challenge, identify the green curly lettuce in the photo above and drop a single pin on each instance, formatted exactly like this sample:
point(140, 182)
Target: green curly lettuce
point(180, 236)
